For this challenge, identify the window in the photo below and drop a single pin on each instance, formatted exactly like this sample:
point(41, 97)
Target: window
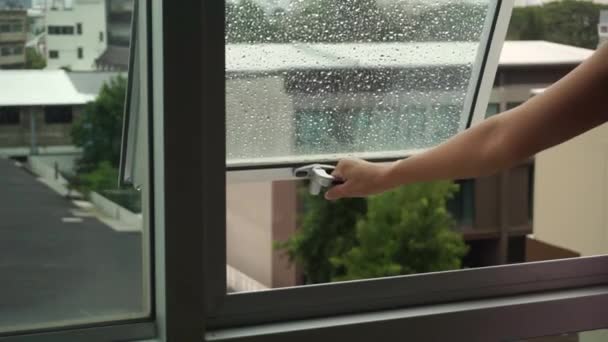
point(604, 29)
point(511, 105)
point(80, 53)
point(58, 114)
point(79, 28)
point(6, 50)
point(11, 26)
point(53, 54)
point(100, 37)
point(80, 247)
point(61, 30)
point(9, 116)
point(493, 109)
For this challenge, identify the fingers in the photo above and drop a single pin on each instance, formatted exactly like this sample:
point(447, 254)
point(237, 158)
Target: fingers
point(336, 192)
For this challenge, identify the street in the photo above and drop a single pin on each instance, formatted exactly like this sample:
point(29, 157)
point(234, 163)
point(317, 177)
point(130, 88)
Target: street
point(57, 265)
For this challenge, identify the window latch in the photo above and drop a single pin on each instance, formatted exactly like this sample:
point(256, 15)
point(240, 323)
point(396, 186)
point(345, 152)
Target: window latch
point(318, 175)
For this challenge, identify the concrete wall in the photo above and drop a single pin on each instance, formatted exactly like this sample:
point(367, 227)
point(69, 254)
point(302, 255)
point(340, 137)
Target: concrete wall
point(571, 194)
point(249, 230)
point(54, 134)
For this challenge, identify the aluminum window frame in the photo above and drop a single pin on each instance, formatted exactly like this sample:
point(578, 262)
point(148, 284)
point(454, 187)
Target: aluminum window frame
point(225, 311)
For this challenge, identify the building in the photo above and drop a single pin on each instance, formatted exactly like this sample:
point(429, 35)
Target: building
point(116, 56)
point(37, 109)
point(76, 34)
point(13, 36)
point(15, 4)
point(494, 213)
point(602, 27)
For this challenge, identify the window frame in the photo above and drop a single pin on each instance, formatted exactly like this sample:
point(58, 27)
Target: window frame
point(267, 309)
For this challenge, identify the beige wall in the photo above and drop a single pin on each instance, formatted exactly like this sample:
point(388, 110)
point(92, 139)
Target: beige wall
point(571, 194)
point(249, 229)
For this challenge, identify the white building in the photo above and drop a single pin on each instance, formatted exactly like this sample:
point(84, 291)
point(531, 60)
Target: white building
point(602, 27)
point(76, 33)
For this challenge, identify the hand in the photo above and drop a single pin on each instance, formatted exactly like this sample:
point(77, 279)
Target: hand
point(360, 179)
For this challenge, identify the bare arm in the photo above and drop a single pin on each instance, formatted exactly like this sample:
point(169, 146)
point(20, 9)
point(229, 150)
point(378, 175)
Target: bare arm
point(574, 105)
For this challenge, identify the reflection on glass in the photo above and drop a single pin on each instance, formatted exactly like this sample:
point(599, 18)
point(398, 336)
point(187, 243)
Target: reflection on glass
point(319, 77)
point(73, 245)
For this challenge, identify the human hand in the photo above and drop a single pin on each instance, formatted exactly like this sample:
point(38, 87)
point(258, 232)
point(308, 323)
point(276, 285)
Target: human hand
point(361, 179)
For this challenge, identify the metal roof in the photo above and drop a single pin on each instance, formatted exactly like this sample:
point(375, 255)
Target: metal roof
point(90, 82)
point(256, 58)
point(39, 88)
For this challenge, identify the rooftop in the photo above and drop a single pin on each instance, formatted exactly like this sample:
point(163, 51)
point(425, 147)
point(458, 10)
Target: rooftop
point(39, 87)
point(280, 57)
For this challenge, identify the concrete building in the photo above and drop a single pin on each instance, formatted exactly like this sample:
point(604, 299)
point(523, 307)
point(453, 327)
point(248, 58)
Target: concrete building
point(494, 213)
point(76, 34)
point(37, 109)
point(602, 27)
point(116, 56)
point(13, 36)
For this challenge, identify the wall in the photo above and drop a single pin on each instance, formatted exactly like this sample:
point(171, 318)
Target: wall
point(46, 134)
point(249, 229)
point(13, 38)
point(571, 192)
point(92, 15)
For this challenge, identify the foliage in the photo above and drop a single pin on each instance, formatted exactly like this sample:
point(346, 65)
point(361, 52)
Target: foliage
point(98, 131)
point(405, 231)
point(33, 59)
point(566, 22)
point(326, 231)
point(103, 177)
point(401, 232)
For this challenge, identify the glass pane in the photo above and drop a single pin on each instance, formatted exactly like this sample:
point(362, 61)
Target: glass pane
point(318, 79)
point(584, 336)
point(280, 236)
point(73, 245)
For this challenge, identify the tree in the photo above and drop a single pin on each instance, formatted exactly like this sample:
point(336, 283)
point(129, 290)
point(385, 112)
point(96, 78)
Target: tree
point(326, 231)
point(401, 232)
point(246, 22)
point(33, 59)
point(405, 231)
point(98, 131)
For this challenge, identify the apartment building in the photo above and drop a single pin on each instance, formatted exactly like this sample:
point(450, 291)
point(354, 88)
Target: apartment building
point(13, 36)
point(76, 34)
point(494, 213)
point(116, 56)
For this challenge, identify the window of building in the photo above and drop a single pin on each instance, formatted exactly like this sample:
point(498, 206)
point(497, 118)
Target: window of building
point(493, 109)
point(6, 50)
point(604, 29)
point(53, 54)
point(79, 28)
point(69, 30)
point(9, 116)
point(11, 26)
point(511, 105)
point(58, 114)
point(61, 30)
point(100, 37)
point(80, 53)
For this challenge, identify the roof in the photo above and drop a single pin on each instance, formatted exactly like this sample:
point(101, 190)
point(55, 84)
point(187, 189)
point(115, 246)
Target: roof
point(280, 57)
point(115, 57)
point(538, 52)
point(90, 82)
point(38, 88)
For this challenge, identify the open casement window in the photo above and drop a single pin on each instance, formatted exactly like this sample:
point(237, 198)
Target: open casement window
point(251, 103)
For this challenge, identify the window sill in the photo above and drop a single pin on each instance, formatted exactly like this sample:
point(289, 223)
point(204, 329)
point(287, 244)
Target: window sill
point(479, 320)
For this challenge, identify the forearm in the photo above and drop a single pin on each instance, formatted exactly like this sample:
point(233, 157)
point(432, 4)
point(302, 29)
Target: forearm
point(572, 106)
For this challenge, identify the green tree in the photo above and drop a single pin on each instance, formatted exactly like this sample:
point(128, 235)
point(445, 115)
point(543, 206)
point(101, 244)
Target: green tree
point(98, 131)
point(326, 231)
point(405, 231)
point(246, 22)
point(33, 59)
point(104, 177)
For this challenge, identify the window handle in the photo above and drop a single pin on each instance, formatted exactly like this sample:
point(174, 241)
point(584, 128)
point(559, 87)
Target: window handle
point(318, 175)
